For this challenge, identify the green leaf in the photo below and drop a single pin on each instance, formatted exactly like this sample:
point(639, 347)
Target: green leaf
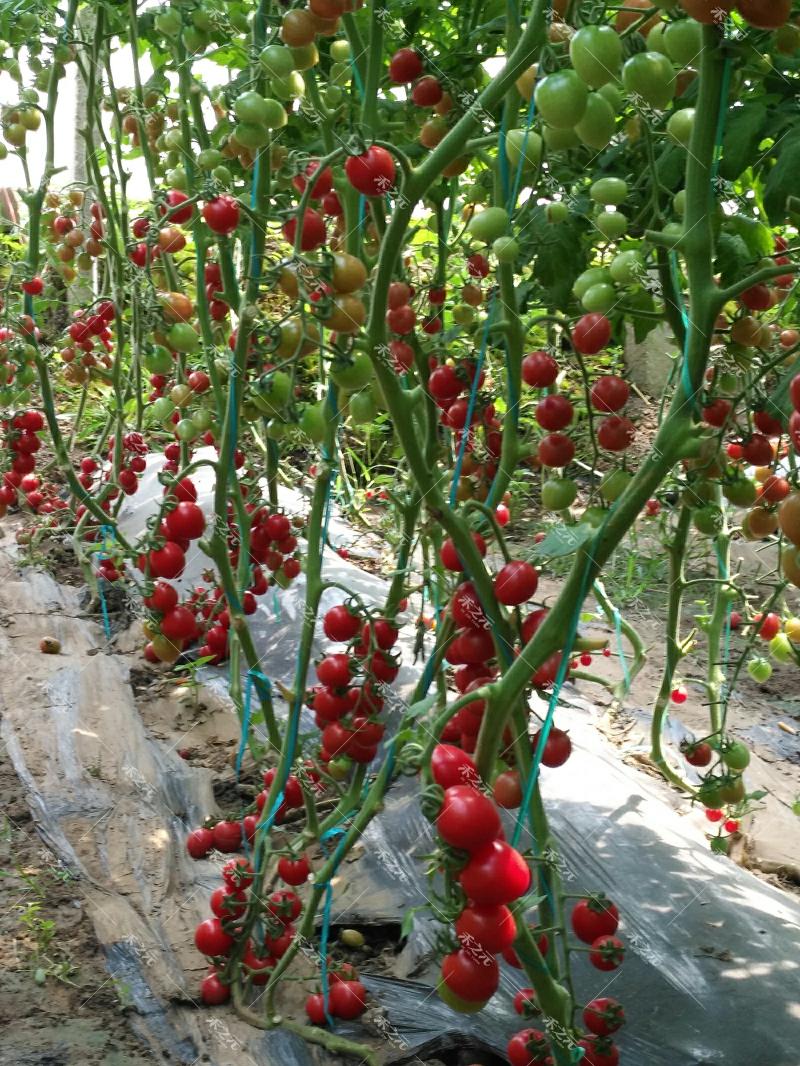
point(756, 796)
point(416, 710)
point(733, 255)
point(754, 234)
point(563, 540)
point(743, 132)
point(782, 180)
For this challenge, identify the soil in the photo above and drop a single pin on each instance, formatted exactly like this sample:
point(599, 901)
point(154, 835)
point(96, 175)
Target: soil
point(58, 1003)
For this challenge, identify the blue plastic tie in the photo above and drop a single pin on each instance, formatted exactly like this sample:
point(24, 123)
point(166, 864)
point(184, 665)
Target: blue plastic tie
point(338, 830)
point(254, 677)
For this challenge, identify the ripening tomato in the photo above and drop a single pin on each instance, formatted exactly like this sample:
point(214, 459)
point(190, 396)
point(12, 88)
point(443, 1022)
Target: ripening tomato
point(347, 999)
point(556, 450)
point(599, 1052)
point(610, 393)
point(593, 917)
point(491, 928)
point(471, 975)
point(405, 66)
point(468, 819)
point(603, 1016)
point(554, 412)
point(529, 1047)
point(340, 624)
point(495, 873)
point(591, 333)
point(540, 370)
point(213, 992)
point(211, 939)
point(449, 555)
point(312, 232)
point(452, 766)
point(765, 14)
point(615, 433)
point(222, 214)
point(607, 953)
point(516, 583)
point(372, 173)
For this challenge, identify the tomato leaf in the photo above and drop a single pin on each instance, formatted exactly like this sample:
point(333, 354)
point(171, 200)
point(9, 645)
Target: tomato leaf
point(754, 234)
point(563, 540)
point(416, 710)
point(782, 180)
point(733, 256)
point(743, 133)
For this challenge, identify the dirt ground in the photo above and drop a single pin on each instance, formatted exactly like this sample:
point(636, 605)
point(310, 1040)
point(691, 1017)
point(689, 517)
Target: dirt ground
point(58, 1003)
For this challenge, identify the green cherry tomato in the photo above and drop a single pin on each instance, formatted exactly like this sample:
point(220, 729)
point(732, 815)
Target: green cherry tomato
point(627, 268)
point(362, 407)
point(590, 277)
point(597, 126)
point(250, 107)
point(760, 670)
point(680, 126)
point(708, 520)
point(162, 408)
point(292, 87)
point(650, 77)
point(186, 430)
point(559, 140)
point(610, 192)
point(613, 95)
point(614, 484)
point(505, 249)
point(679, 202)
point(611, 224)
point(599, 298)
point(251, 136)
point(561, 99)
point(312, 422)
point(463, 315)
point(354, 374)
point(780, 648)
point(710, 793)
point(489, 224)
point(596, 54)
point(182, 337)
point(525, 145)
point(736, 755)
point(557, 212)
point(340, 51)
point(559, 493)
point(593, 516)
point(732, 789)
point(655, 39)
point(277, 61)
point(683, 41)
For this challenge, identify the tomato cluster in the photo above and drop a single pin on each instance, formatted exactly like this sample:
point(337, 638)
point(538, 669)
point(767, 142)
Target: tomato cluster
point(347, 712)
